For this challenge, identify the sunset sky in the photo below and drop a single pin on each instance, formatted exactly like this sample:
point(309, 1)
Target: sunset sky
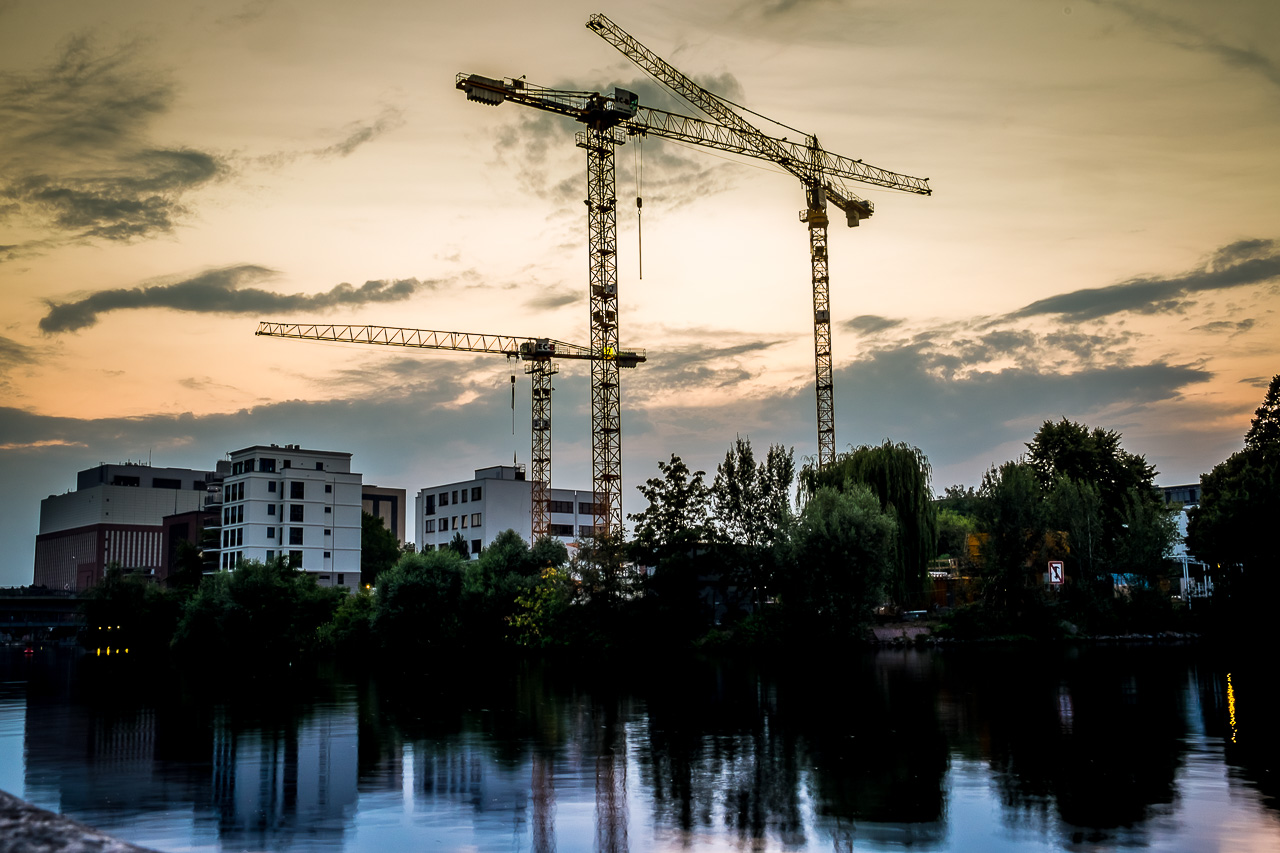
point(1103, 242)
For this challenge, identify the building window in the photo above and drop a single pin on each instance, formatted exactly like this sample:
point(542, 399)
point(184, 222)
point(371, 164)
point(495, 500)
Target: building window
point(475, 493)
point(297, 490)
point(464, 495)
point(444, 499)
point(271, 533)
point(295, 535)
point(444, 524)
point(328, 509)
point(267, 466)
point(586, 530)
point(560, 506)
point(288, 463)
point(271, 509)
point(475, 546)
point(271, 555)
point(431, 505)
point(429, 526)
point(326, 555)
point(240, 537)
point(560, 529)
point(455, 522)
point(295, 512)
point(464, 522)
point(326, 531)
point(271, 487)
point(475, 519)
point(455, 496)
point(295, 557)
point(319, 466)
point(588, 509)
point(240, 514)
point(328, 488)
point(342, 580)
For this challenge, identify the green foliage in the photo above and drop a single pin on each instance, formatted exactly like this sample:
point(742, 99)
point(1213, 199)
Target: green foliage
point(752, 503)
point(459, 545)
point(1011, 516)
point(350, 632)
point(1239, 503)
point(844, 549)
point(954, 530)
point(418, 609)
point(676, 518)
point(260, 614)
point(1264, 429)
point(188, 568)
point(379, 548)
point(128, 611)
point(898, 475)
point(540, 616)
point(548, 553)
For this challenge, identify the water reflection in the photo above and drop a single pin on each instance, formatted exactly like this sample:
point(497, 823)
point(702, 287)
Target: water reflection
point(1096, 747)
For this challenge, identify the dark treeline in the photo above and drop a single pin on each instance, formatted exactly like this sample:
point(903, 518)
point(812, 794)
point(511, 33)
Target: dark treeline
point(764, 557)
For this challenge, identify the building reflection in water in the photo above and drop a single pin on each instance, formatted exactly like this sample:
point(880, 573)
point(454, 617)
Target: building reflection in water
point(1087, 749)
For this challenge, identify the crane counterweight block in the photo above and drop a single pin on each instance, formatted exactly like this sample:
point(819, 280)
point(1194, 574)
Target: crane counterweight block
point(484, 90)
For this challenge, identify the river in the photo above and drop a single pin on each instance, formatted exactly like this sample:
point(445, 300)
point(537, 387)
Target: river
point(1143, 747)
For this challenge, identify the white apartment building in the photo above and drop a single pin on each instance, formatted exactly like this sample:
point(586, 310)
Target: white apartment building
point(303, 505)
point(496, 499)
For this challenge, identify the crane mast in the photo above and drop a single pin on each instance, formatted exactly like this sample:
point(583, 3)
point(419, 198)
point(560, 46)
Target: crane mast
point(821, 184)
point(611, 118)
point(538, 355)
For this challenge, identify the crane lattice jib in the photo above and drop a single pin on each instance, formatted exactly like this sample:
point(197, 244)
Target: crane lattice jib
point(695, 131)
point(513, 347)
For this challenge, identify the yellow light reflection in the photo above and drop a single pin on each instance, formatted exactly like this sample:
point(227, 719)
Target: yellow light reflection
point(1231, 707)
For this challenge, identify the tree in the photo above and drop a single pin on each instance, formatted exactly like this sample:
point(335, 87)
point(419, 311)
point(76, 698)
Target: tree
point(379, 548)
point(898, 475)
point(262, 614)
point(676, 518)
point(127, 611)
point(1239, 503)
point(1264, 429)
point(458, 544)
point(751, 513)
point(418, 610)
point(1012, 521)
point(844, 548)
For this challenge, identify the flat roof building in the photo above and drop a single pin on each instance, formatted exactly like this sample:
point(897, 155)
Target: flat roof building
point(296, 504)
point(497, 498)
point(115, 515)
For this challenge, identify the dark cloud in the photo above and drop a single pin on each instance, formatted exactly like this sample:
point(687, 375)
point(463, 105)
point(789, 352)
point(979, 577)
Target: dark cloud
point(870, 324)
point(356, 135)
point(1226, 327)
point(222, 291)
point(549, 300)
point(1187, 36)
point(1238, 264)
point(75, 160)
point(694, 366)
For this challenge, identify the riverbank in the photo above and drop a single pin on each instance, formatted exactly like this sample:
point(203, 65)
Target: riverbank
point(25, 828)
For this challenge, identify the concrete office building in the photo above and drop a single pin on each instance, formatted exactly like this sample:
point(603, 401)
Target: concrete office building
point(115, 515)
point(303, 505)
point(387, 504)
point(496, 499)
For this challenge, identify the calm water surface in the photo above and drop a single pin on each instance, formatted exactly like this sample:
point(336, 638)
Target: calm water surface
point(1099, 748)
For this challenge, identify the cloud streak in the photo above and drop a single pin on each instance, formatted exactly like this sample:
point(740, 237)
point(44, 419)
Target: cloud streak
point(76, 163)
point(1182, 34)
point(228, 290)
point(1239, 264)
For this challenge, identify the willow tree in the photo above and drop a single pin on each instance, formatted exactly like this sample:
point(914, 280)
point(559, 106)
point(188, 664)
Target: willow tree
point(898, 475)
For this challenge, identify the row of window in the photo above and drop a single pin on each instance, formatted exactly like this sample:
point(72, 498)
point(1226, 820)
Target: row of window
point(297, 490)
point(567, 530)
point(264, 465)
point(459, 523)
point(475, 546)
point(567, 507)
point(231, 559)
point(459, 496)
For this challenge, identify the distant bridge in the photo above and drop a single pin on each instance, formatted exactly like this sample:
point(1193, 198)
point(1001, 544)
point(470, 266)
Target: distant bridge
point(24, 611)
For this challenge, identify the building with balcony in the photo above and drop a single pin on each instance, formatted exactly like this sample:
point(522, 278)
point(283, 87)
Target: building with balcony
point(496, 499)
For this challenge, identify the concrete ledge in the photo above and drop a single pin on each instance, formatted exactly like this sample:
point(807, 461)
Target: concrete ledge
point(25, 828)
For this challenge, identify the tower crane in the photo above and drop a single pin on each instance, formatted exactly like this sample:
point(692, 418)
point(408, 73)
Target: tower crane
point(612, 118)
point(538, 355)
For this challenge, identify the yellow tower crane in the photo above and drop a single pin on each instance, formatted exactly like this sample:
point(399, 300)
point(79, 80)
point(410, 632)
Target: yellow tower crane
point(610, 119)
point(538, 355)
